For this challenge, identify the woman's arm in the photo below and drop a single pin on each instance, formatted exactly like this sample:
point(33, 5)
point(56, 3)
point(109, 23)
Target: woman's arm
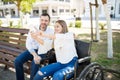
point(50, 36)
point(36, 36)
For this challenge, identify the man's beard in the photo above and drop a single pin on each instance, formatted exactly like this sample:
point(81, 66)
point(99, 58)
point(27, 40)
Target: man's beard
point(43, 27)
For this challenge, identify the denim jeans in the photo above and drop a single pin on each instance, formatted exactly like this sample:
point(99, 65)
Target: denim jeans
point(57, 70)
point(20, 60)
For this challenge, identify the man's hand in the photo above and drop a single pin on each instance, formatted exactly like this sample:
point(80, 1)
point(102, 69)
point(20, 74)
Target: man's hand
point(41, 33)
point(37, 59)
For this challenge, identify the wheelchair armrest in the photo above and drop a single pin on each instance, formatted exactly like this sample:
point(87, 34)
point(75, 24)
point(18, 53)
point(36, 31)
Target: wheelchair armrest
point(81, 60)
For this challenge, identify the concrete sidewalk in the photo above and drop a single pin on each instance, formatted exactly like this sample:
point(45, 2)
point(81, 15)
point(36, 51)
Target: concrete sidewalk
point(9, 74)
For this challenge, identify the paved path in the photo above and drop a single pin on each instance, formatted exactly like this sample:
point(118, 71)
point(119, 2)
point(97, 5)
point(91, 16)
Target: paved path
point(8, 74)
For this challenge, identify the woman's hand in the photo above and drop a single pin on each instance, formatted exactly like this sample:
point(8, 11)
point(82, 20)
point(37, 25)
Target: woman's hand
point(37, 36)
point(34, 35)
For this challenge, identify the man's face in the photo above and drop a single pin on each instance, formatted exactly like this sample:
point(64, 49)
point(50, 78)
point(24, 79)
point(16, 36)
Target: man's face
point(44, 22)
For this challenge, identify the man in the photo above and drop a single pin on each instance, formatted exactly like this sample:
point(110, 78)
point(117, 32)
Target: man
point(35, 51)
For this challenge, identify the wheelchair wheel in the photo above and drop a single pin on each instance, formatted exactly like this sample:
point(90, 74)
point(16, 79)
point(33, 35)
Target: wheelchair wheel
point(92, 72)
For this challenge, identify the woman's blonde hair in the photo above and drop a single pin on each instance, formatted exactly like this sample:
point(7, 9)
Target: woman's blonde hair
point(64, 25)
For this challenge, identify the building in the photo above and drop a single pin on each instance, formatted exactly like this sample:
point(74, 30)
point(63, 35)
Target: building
point(58, 8)
point(53, 7)
point(113, 7)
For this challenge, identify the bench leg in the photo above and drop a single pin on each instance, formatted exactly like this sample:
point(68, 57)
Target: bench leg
point(6, 67)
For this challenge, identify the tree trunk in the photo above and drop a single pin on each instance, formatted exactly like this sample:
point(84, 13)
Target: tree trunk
point(110, 45)
point(97, 27)
point(18, 6)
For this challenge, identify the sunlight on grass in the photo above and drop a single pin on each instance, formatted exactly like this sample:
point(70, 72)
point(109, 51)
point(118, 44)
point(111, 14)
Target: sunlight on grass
point(99, 50)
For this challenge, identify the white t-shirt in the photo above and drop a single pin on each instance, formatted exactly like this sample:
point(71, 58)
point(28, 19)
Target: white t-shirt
point(32, 44)
point(64, 47)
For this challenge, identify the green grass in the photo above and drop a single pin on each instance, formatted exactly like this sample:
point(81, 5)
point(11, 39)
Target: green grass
point(99, 50)
point(108, 63)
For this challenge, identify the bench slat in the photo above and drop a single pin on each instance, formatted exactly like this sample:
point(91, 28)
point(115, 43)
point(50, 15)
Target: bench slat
point(7, 56)
point(15, 41)
point(7, 63)
point(9, 52)
point(15, 30)
point(21, 47)
point(13, 35)
point(10, 48)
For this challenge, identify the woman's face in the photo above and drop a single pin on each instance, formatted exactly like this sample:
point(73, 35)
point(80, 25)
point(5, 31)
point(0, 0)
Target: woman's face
point(58, 28)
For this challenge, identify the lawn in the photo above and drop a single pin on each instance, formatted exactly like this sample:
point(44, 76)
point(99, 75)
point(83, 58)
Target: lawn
point(99, 50)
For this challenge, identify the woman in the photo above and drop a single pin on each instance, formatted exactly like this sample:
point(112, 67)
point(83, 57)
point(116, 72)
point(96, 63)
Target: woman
point(64, 50)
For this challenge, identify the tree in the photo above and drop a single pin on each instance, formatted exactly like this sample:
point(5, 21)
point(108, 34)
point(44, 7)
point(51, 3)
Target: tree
point(26, 5)
point(22, 5)
point(110, 44)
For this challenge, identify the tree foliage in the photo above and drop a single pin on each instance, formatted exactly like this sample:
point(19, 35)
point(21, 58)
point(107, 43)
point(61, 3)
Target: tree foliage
point(22, 5)
point(26, 5)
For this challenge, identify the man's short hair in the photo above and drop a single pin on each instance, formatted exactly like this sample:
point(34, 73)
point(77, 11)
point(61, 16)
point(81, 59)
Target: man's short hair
point(45, 14)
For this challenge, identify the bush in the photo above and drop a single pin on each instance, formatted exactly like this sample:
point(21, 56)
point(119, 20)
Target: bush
point(102, 25)
point(70, 24)
point(78, 24)
point(16, 26)
point(19, 24)
point(11, 23)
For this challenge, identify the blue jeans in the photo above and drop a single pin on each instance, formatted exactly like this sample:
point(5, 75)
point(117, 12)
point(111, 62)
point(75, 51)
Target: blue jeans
point(57, 70)
point(20, 60)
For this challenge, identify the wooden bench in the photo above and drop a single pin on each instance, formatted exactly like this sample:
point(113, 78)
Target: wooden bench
point(12, 43)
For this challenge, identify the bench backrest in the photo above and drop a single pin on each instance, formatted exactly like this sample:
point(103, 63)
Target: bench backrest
point(13, 37)
point(12, 43)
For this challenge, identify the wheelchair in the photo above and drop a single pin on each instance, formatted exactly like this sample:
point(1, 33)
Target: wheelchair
point(83, 50)
point(95, 71)
point(84, 69)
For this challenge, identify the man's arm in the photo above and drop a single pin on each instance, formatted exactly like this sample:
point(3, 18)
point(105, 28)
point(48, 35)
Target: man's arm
point(31, 48)
point(29, 44)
